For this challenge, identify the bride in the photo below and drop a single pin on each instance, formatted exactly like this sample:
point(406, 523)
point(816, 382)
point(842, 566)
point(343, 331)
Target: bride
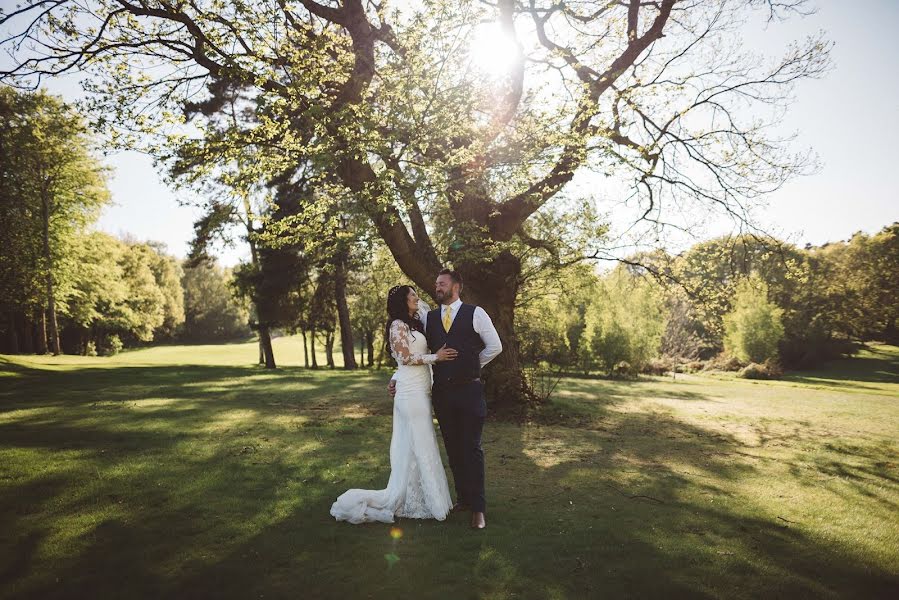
point(417, 487)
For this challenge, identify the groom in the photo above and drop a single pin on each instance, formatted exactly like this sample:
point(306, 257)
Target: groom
point(458, 393)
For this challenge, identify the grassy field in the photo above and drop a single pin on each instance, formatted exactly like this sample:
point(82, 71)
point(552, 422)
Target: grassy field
point(186, 472)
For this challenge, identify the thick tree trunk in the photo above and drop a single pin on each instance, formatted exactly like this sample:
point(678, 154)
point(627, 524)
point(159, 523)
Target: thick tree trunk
point(494, 287)
point(329, 348)
point(362, 350)
point(312, 348)
point(343, 313)
point(305, 349)
point(265, 340)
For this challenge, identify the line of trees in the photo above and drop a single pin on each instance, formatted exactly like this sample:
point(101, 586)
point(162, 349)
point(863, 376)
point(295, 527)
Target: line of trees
point(68, 288)
point(51, 188)
point(65, 287)
point(724, 303)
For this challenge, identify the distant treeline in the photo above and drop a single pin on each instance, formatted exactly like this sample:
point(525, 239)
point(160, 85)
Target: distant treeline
point(67, 288)
point(724, 303)
point(112, 294)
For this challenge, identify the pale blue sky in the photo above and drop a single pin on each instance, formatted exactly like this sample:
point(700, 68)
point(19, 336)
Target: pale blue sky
point(850, 118)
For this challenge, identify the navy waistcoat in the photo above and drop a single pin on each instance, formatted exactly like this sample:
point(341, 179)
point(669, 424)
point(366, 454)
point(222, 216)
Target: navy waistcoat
point(462, 337)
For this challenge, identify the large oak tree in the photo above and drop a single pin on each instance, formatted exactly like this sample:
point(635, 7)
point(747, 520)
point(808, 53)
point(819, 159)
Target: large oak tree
point(453, 163)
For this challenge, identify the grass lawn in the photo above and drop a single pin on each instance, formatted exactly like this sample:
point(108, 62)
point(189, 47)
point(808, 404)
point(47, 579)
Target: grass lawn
point(187, 472)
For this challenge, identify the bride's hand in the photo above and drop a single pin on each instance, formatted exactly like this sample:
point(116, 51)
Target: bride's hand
point(445, 354)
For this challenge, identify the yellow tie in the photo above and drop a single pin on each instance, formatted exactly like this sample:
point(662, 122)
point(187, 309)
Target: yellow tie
point(447, 321)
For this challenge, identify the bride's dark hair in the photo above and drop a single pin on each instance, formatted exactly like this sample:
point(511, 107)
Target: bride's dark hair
point(398, 308)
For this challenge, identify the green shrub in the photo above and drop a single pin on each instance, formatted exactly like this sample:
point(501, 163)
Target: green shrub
point(623, 323)
point(694, 366)
point(775, 371)
point(769, 370)
point(753, 329)
point(624, 369)
point(658, 366)
point(110, 345)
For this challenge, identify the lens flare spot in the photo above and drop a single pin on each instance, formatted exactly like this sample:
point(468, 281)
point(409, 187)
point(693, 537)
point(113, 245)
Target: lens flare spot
point(396, 533)
point(493, 50)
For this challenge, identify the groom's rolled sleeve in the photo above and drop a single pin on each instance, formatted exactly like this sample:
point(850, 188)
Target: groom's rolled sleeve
point(484, 327)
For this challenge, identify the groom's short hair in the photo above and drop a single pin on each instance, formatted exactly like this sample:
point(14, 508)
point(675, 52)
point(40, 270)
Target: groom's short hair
point(454, 275)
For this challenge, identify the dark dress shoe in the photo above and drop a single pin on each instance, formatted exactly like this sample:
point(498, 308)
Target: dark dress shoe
point(460, 507)
point(478, 521)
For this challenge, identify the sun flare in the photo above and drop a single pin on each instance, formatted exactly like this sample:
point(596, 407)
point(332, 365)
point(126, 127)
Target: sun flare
point(493, 51)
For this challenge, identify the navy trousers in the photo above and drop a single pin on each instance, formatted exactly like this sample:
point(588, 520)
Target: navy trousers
point(461, 409)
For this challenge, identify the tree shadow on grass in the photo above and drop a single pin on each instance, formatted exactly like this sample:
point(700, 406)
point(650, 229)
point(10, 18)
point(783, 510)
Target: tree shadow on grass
point(252, 385)
point(164, 502)
point(10, 369)
point(587, 404)
point(658, 517)
point(877, 366)
point(639, 504)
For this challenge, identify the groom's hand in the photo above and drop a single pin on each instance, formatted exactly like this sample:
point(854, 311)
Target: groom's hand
point(391, 387)
point(445, 354)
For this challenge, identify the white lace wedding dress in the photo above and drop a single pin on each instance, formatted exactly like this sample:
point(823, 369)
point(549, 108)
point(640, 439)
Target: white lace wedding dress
point(417, 488)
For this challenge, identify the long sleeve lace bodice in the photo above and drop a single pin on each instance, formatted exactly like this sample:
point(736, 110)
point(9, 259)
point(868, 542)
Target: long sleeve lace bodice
point(409, 347)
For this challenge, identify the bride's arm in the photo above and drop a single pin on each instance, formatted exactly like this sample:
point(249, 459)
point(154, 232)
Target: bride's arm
point(400, 339)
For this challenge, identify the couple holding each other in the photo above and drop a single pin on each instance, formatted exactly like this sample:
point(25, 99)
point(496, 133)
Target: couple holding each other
point(462, 339)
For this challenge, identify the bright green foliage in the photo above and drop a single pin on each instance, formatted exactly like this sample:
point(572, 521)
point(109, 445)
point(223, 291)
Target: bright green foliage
point(51, 187)
point(797, 282)
point(549, 321)
point(860, 284)
point(168, 274)
point(712, 270)
point(145, 299)
point(754, 328)
point(115, 291)
point(624, 322)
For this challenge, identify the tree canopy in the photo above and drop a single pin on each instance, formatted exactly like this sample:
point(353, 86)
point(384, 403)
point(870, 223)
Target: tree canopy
point(51, 189)
point(451, 162)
